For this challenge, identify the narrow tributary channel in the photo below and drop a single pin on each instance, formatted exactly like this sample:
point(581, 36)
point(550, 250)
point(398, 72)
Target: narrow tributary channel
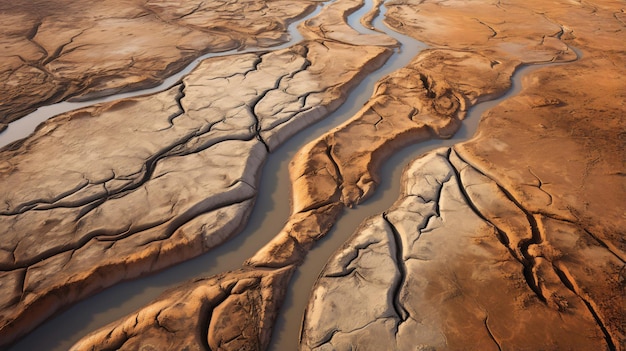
point(270, 213)
point(25, 126)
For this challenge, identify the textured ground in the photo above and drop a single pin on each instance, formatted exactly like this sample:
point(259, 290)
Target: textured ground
point(512, 240)
point(55, 50)
point(453, 263)
point(168, 184)
point(125, 196)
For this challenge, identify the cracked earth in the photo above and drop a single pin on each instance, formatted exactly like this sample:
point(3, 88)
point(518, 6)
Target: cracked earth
point(513, 239)
point(54, 51)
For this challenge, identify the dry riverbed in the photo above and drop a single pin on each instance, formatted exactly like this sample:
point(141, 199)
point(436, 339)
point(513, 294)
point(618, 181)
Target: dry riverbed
point(513, 239)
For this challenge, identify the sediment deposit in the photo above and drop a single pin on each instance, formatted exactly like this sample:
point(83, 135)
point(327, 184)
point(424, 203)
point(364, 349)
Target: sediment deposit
point(55, 50)
point(140, 184)
point(511, 240)
point(458, 261)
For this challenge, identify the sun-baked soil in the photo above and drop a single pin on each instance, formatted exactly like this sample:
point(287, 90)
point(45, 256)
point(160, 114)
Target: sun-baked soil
point(511, 240)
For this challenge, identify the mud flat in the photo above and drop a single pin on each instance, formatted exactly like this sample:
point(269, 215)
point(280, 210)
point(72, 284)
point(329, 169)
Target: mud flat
point(535, 228)
point(514, 212)
point(24, 126)
point(335, 171)
point(270, 205)
point(56, 50)
point(259, 100)
point(99, 180)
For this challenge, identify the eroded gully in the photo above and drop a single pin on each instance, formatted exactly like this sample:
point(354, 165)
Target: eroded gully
point(271, 208)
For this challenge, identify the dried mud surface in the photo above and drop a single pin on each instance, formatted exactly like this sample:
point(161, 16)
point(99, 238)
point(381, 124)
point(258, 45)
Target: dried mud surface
point(55, 50)
point(172, 181)
point(454, 262)
point(511, 240)
point(514, 239)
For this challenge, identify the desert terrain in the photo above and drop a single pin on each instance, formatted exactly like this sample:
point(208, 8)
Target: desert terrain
point(192, 215)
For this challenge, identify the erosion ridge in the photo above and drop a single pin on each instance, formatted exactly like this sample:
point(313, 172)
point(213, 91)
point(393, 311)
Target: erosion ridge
point(337, 171)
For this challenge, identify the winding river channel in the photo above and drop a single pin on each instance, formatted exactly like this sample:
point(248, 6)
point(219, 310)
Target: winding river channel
point(270, 212)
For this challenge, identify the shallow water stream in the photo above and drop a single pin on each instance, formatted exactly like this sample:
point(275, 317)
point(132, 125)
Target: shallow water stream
point(269, 215)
